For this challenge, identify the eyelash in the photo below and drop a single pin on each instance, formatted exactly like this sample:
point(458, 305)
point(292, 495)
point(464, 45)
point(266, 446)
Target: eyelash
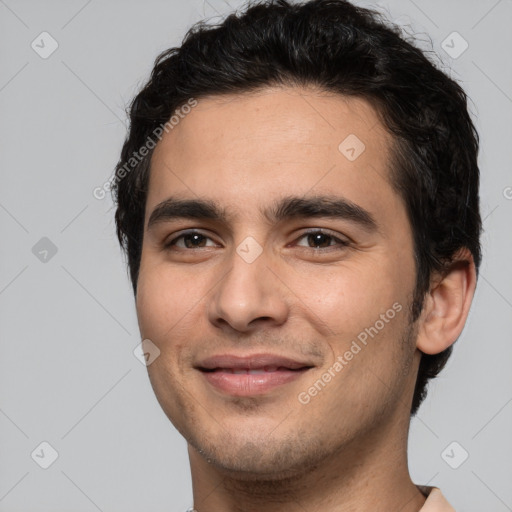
point(341, 243)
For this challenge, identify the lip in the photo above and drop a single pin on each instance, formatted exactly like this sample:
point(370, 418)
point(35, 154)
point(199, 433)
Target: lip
point(256, 374)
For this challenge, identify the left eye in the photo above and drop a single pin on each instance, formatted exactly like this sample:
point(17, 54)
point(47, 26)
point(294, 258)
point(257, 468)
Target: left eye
point(319, 238)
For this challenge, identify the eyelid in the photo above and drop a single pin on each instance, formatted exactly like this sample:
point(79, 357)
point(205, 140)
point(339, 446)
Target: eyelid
point(172, 239)
point(342, 239)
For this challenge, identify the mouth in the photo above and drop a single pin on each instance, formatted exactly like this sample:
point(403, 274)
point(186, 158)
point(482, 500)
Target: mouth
point(251, 375)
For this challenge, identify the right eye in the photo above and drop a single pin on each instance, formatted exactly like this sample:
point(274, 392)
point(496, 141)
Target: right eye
point(190, 240)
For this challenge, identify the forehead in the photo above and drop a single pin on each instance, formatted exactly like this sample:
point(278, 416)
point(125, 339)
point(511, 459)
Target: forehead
point(241, 149)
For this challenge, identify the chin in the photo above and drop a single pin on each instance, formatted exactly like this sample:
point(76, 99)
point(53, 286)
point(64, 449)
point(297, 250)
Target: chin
point(260, 460)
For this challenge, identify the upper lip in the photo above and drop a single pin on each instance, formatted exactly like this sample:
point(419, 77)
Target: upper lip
point(251, 362)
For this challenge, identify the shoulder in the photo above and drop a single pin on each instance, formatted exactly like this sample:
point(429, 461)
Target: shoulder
point(435, 502)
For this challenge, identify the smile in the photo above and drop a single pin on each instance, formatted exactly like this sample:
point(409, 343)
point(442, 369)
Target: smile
point(252, 375)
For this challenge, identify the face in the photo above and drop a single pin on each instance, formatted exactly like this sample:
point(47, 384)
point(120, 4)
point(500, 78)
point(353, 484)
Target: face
point(276, 277)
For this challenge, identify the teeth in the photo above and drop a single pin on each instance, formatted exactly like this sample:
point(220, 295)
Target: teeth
point(257, 371)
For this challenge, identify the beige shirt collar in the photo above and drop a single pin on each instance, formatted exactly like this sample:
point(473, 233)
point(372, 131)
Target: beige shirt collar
point(435, 502)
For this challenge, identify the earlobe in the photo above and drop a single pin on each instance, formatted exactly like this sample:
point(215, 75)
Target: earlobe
point(446, 305)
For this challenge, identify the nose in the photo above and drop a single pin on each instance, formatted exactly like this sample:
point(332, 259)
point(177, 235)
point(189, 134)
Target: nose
point(249, 296)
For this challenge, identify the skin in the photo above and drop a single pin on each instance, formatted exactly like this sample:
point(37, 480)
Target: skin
point(271, 452)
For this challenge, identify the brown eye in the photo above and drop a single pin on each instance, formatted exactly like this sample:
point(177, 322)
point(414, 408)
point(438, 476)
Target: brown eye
point(321, 240)
point(191, 240)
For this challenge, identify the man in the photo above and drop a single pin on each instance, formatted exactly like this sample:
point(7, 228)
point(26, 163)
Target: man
point(298, 199)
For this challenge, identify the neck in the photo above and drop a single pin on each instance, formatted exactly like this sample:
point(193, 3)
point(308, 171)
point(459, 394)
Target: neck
point(371, 473)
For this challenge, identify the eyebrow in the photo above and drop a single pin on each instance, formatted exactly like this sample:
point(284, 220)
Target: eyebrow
point(287, 208)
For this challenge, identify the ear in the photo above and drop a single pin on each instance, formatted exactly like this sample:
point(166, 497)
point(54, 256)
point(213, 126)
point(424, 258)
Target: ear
point(446, 305)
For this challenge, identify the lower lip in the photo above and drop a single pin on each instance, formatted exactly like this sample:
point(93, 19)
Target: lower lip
point(251, 384)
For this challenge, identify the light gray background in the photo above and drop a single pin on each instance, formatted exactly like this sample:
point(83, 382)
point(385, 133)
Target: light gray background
point(68, 326)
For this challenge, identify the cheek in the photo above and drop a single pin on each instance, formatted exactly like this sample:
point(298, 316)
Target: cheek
point(164, 309)
point(349, 298)
point(163, 301)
